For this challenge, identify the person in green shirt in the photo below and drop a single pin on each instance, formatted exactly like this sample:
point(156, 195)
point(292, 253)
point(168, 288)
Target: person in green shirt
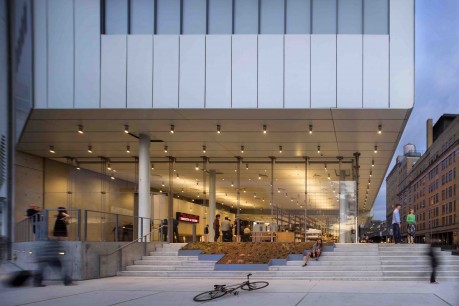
point(411, 220)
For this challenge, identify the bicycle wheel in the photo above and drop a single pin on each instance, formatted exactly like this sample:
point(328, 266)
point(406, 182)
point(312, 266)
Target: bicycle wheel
point(254, 285)
point(209, 295)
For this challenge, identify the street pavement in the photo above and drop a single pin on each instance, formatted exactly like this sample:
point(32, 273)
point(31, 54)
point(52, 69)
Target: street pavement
point(156, 291)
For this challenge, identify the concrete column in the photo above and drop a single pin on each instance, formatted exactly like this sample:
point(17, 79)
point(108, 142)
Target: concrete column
point(170, 205)
point(144, 184)
point(212, 202)
point(343, 209)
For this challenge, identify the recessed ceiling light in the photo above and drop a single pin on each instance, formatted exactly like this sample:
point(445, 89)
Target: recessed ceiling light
point(310, 129)
point(280, 149)
point(90, 149)
point(379, 129)
point(128, 149)
point(165, 149)
point(318, 149)
point(265, 129)
point(219, 129)
point(172, 129)
point(126, 129)
point(376, 149)
point(80, 129)
point(204, 149)
point(51, 150)
point(242, 149)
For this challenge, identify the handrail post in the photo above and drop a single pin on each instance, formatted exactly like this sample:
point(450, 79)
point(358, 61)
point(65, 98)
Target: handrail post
point(85, 225)
point(141, 227)
point(79, 225)
point(45, 225)
point(116, 228)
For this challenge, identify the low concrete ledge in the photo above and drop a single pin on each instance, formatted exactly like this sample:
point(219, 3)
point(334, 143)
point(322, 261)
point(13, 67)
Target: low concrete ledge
point(189, 252)
point(455, 252)
point(215, 257)
point(241, 267)
point(277, 262)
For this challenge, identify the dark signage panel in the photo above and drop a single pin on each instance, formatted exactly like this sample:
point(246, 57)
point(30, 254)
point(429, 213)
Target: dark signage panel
point(186, 217)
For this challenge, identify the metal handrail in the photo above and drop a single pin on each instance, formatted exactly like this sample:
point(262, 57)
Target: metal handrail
point(119, 250)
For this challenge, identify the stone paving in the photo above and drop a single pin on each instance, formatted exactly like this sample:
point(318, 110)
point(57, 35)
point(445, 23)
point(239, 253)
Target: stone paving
point(155, 291)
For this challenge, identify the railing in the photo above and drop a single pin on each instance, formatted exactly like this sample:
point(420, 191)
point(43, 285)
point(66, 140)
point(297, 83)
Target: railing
point(86, 225)
point(126, 254)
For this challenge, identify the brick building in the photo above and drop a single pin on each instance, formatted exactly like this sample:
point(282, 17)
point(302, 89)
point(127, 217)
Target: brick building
point(427, 183)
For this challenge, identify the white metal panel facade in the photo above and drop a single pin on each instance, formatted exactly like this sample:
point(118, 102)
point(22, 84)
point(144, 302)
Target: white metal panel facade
point(244, 71)
point(376, 71)
point(271, 71)
point(297, 71)
point(165, 71)
point(192, 71)
point(113, 73)
point(40, 60)
point(323, 71)
point(60, 54)
point(218, 71)
point(401, 53)
point(87, 54)
point(349, 71)
point(139, 71)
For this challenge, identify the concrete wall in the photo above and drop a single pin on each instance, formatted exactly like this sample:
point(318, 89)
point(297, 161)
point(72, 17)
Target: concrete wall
point(81, 259)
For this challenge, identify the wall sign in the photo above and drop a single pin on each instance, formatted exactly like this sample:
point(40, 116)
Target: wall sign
point(186, 217)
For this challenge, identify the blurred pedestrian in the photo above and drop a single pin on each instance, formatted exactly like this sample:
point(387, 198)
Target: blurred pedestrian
point(50, 254)
point(411, 229)
point(175, 230)
point(216, 227)
point(206, 233)
point(226, 230)
point(433, 264)
point(60, 226)
point(33, 213)
point(164, 229)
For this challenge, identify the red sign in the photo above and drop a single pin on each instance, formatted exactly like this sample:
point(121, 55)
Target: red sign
point(187, 217)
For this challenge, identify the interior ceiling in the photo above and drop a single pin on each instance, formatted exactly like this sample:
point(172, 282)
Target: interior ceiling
point(338, 132)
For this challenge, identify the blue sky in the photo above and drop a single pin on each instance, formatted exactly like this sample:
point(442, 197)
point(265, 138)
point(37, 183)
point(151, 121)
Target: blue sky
point(437, 75)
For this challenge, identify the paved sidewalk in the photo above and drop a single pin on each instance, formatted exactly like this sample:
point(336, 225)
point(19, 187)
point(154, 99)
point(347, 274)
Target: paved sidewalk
point(154, 291)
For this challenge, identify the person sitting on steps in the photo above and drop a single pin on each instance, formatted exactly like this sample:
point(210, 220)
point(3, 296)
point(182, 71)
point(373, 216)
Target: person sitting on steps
point(315, 253)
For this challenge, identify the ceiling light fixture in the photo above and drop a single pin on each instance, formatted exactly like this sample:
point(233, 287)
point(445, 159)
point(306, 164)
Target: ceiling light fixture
point(310, 129)
point(265, 129)
point(376, 149)
point(112, 177)
point(178, 176)
point(51, 150)
point(126, 129)
point(128, 149)
point(318, 149)
point(259, 176)
point(172, 129)
point(246, 166)
point(280, 149)
point(152, 166)
point(90, 149)
point(162, 184)
point(379, 129)
point(372, 162)
point(242, 149)
point(245, 190)
point(196, 167)
point(204, 149)
point(371, 173)
point(80, 129)
point(329, 176)
point(326, 167)
point(78, 166)
point(218, 129)
point(109, 168)
point(165, 149)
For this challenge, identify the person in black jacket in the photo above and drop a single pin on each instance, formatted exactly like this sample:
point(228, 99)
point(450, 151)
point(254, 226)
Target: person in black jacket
point(433, 264)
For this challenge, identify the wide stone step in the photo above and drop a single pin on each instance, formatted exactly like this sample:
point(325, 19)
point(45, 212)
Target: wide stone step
point(419, 273)
point(424, 267)
point(410, 253)
point(175, 262)
point(164, 253)
point(311, 267)
point(351, 253)
point(335, 263)
point(171, 257)
point(349, 258)
point(169, 268)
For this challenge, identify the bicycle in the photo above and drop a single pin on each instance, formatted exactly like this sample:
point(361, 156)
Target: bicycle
point(221, 290)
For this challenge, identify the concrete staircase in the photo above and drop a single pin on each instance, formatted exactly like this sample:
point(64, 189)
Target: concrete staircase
point(164, 261)
point(346, 262)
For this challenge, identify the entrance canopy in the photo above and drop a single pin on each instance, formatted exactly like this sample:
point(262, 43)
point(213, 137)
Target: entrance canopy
point(282, 154)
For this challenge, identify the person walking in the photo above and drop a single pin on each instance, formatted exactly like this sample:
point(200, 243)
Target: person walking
point(164, 229)
point(396, 223)
point(411, 229)
point(60, 226)
point(206, 233)
point(216, 227)
point(175, 230)
point(226, 230)
point(433, 264)
point(33, 213)
point(50, 253)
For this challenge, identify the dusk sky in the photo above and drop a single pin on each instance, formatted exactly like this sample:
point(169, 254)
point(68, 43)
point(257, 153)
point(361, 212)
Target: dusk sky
point(437, 76)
